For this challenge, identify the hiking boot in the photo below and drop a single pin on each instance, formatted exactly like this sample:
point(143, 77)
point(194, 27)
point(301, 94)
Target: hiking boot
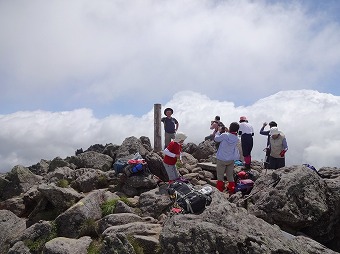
point(231, 188)
point(220, 186)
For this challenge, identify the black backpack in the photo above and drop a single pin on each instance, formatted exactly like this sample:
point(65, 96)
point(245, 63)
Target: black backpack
point(187, 197)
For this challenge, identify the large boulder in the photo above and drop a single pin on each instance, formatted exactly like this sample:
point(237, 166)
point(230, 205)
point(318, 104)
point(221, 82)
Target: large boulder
point(74, 220)
point(298, 200)
point(154, 202)
point(91, 179)
point(156, 166)
point(19, 180)
point(61, 198)
point(11, 229)
point(225, 228)
point(67, 246)
point(130, 147)
point(92, 159)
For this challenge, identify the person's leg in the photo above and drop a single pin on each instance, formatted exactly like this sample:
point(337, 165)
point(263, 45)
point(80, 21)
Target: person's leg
point(230, 177)
point(266, 163)
point(271, 162)
point(171, 171)
point(280, 162)
point(247, 146)
point(220, 170)
point(167, 138)
point(239, 147)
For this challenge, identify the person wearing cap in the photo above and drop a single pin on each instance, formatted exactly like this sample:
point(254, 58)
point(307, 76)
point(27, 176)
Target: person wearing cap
point(170, 126)
point(171, 154)
point(278, 148)
point(246, 132)
point(266, 133)
point(214, 125)
point(226, 154)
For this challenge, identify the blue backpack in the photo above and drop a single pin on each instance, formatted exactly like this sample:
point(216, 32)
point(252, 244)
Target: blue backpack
point(119, 165)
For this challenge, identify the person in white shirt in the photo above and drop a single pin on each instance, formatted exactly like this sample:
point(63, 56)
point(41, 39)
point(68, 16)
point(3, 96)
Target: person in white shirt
point(246, 132)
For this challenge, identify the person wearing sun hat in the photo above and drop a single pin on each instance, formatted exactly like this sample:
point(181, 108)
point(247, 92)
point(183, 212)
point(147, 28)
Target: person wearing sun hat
point(278, 148)
point(170, 126)
point(266, 133)
point(172, 153)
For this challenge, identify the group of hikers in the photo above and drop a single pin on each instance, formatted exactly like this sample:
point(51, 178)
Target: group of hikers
point(230, 141)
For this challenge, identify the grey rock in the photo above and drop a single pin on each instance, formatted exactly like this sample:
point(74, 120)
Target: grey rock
point(67, 246)
point(11, 229)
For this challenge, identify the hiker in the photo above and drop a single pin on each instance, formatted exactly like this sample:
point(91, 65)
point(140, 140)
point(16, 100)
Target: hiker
point(278, 148)
point(214, 125)
point(170, 126)
point(171, 154)
point(246, 132)
point(226, 154)
point(266, 133)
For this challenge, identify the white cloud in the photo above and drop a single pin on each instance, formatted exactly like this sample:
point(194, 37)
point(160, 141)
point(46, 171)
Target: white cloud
point(91, 53)
point(308, 118)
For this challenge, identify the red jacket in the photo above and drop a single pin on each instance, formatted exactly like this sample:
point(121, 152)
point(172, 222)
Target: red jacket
point(175, 148)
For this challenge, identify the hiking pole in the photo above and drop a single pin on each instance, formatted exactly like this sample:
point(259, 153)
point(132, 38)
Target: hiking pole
point(262, 163)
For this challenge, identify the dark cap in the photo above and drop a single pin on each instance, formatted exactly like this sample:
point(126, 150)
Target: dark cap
point(168, 109)
point(272, 124)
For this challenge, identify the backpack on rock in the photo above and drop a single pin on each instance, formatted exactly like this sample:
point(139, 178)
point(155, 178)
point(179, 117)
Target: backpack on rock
point(188, 198)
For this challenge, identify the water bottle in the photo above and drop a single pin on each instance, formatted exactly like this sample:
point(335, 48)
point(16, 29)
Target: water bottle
point(207, 190)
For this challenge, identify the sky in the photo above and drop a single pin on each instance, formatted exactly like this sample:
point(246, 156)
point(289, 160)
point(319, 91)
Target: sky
point(78, 73)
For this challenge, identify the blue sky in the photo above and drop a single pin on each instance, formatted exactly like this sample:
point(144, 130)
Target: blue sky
point(99, 62)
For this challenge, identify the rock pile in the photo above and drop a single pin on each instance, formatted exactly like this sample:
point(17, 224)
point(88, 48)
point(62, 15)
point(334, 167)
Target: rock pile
point(80, 205)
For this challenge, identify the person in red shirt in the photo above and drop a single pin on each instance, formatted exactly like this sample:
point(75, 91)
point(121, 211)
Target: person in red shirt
point(171, 154)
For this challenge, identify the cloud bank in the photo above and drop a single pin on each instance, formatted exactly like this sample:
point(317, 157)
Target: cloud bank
point(308, 118)
point(94, 54)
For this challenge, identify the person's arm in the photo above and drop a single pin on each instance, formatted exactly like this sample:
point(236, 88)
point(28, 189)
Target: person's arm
point(168, 153)
point(219, 136)
point(213, 126)
point(176, 125)
point(284, 144)
point(285, 147)
point(262, 131)
point(265, 133)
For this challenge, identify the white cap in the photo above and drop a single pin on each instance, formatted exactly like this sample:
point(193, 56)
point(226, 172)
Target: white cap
point(274, 131)
point(179, 136)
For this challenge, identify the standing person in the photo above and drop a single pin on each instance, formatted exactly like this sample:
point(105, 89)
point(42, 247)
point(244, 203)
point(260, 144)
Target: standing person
point(247, 132)
point(214, 125)
point(226, 154)
point(266, 133)
point(278, 148)
point(171, 154)
point(170, 126)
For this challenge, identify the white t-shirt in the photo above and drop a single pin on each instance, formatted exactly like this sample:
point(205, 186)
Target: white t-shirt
point(246, 128)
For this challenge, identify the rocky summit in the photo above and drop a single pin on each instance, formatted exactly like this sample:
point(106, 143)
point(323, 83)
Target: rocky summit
point(81, 204)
